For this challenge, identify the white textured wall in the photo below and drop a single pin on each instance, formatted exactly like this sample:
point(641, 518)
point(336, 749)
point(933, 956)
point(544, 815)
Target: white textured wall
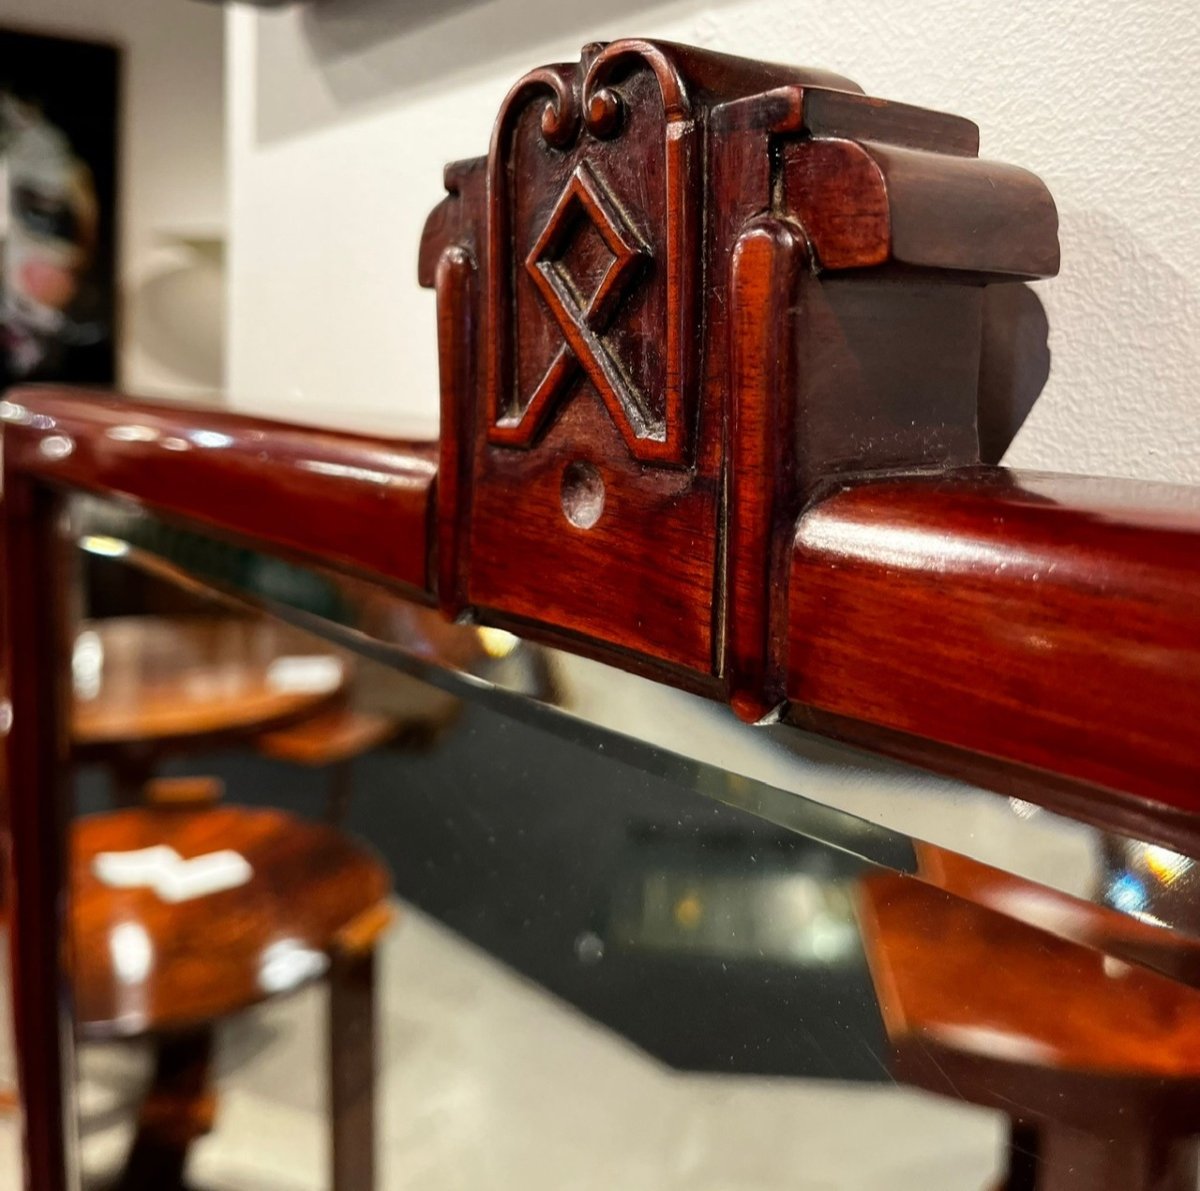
point(342, 113)
point(172, 180)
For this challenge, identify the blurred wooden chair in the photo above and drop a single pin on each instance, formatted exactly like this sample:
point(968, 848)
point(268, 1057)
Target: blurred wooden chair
point(187, 911)
point(331, 740)
point(396, 712)
point(1095, 1061)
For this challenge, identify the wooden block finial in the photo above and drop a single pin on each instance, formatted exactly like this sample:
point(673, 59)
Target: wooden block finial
point(681, 292)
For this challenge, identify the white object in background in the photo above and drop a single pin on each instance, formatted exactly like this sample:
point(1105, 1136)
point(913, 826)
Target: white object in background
point(87, 664)
point(305, 675)
point(287, 964)
point(172, 878)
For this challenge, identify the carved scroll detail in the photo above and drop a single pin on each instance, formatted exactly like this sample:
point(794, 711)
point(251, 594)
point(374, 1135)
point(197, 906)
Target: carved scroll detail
point(645, 381)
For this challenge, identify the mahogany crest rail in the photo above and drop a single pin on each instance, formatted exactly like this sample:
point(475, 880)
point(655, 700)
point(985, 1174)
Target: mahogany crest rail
point(709, 339)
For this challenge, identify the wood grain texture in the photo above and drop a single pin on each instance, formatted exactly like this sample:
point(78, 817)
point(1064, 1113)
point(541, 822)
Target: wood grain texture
point(618, 362)
point(610, 386)
point(359, 503)
point(687, 303)
point(767, 263)
point(1034, 622)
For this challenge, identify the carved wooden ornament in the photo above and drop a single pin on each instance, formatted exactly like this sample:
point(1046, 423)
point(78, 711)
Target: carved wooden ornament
point(681, 293)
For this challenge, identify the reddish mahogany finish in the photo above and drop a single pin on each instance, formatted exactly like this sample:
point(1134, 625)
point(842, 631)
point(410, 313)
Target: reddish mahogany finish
point(36, 770)
point(1014, 628)
point(202, 959)
point(1175, 953)
point(355, 502)
point(1101, 1079)
point(314, 900)
point(1028, 620)
point(686, 304)
point(197, 681)
point(696, 285)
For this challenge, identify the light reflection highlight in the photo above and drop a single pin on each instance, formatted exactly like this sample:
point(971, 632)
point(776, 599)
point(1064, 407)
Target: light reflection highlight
point(56, 446)
point(103, 545)
point(287, 964)
point(497, 644)
point(305, 675)
point(87, 665)
point(347, 472)
point(211, 439)
point(132, 433)
point(1166, 865)
point(132, 952)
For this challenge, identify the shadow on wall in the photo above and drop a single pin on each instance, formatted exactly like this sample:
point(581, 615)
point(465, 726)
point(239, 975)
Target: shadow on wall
point(1125, 313)
point(177, 318)
point(362, 53)
point(1014, 365)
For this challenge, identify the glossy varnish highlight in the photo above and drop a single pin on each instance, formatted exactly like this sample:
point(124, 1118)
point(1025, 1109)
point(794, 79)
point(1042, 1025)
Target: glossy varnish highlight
point(143, 964)
point(359, 503)
point(611, 261)
point(1037, 622)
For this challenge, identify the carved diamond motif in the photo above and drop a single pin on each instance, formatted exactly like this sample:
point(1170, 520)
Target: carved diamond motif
point(583, 265)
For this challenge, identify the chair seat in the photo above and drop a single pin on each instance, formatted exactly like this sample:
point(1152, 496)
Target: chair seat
point(985, 1008)
point(146, 964)
point(340, 734)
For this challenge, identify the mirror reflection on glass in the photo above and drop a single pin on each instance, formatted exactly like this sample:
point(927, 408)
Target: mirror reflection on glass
point(574, 949)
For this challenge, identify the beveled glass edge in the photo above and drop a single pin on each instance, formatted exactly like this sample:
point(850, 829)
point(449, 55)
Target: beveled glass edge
point(865, 804)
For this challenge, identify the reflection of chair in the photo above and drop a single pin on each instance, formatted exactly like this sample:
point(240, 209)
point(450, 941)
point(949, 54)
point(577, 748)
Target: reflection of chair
point(403, 713)
point(330, 740)
point(1176, 953)
point(186, 912)
point(1095, 1061)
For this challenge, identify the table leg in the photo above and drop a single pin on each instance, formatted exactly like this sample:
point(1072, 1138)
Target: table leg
point(179, 1107)
point(36, 788)
point(341, 791)
point(352, 1069)
point(130, 772)
point(1063, 1159)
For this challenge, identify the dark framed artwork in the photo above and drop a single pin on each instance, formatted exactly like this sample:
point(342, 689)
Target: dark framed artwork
point(58, 146)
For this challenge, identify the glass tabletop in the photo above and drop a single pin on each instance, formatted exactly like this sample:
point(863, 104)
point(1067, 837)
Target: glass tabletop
point(636, 941)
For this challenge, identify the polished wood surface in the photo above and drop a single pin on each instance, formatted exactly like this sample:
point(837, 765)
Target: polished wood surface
point(36, 771)
point(1100, 1057)
point(1036, 623)
point(160, 680)
point(1020, 630)
point(366, 500)
point(332, 739)
point(604, 278)
point(170, 963)
point(1149, 942)
point(144, 964)
point(928, 949)
point(328, 738)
